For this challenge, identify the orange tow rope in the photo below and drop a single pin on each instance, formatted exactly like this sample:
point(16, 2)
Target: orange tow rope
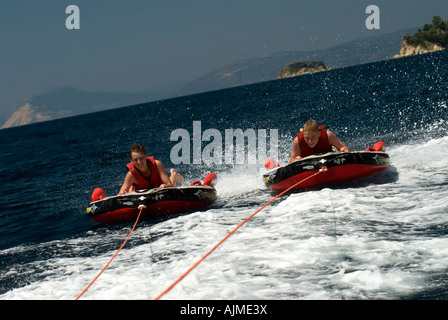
point(233, 231)
point(141, 207)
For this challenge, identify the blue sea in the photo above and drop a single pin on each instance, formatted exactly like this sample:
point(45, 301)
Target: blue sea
point(385, 237)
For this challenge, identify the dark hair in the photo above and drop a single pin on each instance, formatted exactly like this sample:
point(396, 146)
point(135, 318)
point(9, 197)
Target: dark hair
point(137, 148)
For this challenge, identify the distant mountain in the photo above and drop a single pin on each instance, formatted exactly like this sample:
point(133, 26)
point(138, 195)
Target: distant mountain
point(67, 101)
point(264, 69)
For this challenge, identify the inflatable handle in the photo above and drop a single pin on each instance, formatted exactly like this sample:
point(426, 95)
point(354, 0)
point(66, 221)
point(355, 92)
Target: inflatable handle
point(210, 180)
point(271, 163)
point(98, 194)
point(379, 146)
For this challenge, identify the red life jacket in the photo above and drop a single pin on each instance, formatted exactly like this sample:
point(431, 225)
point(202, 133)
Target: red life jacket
point(143, 183)
point(322, 145)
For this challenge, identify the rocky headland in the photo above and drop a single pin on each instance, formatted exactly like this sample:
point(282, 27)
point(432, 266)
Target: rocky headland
point(431, 38)
point(26, 114)
point(301, 68)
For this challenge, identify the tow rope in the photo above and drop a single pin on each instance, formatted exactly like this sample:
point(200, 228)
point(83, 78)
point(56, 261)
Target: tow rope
point(141, 207)
point(233, 231)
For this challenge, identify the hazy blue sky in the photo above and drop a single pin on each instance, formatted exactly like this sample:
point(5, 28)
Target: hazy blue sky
point(136, 45)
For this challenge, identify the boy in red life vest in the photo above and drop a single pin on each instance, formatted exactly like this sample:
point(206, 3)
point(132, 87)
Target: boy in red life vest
point(146, 172)
point(314, 139)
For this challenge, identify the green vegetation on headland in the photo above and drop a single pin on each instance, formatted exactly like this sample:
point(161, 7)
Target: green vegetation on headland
point(301, 68)
point(437, 33)
point(294, 67)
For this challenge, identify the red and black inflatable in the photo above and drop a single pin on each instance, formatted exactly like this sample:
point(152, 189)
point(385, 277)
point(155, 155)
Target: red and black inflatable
point(341, 167)
point(157, 202)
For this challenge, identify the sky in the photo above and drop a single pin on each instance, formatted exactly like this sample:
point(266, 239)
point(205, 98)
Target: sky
point(142, 45)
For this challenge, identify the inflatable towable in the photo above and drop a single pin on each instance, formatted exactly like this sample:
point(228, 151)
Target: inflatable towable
point(340, 167)
point(157, 202)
